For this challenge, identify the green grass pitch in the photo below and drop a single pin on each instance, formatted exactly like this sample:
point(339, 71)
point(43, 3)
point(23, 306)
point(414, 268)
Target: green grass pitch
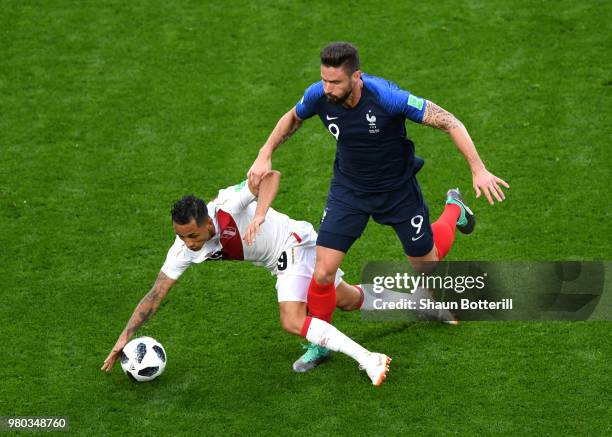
point(110, 111)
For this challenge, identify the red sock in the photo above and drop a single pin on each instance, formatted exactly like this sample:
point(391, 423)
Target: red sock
point(444, 229)
point(305, 326)
point(361, 295)
point(321, 300)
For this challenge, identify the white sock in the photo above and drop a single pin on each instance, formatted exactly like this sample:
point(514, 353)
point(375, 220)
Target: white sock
point(322, 333)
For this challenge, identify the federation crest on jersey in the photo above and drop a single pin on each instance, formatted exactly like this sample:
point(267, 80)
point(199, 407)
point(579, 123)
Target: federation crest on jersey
point(371, 118)
point(229, 232)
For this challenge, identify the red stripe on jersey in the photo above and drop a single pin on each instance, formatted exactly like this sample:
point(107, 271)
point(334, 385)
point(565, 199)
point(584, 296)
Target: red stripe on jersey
point(231, 243)
point(297, 237)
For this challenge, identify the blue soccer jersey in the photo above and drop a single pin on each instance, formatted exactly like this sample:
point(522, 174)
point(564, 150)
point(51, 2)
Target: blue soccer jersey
point(373, 153)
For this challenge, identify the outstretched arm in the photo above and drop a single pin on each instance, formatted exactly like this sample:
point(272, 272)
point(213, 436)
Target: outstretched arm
point(482, 180)
point(265, 192)
point(285, 128)
point(143, 312)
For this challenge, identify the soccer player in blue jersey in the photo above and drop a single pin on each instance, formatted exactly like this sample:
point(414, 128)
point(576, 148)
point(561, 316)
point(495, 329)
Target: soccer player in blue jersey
point(375, 168)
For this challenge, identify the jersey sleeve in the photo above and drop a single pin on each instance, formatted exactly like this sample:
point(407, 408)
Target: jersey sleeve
point(176, 261)
point(409, 105)
point(306, 106)
point(236, 198)
point(397, 100)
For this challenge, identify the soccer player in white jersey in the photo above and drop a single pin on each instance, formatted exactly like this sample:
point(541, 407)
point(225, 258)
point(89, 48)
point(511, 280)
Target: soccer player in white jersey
point(235, 226)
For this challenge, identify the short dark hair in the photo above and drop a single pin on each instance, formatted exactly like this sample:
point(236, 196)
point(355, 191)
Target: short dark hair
point(188, 208)
point(341, 54)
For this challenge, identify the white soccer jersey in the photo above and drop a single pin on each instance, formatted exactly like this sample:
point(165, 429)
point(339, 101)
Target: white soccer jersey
point(231, 212)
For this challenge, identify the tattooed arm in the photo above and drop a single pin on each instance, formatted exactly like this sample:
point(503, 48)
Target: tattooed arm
point(439, 118)
point(285, 128)
point(483, 180)
point(143, 312)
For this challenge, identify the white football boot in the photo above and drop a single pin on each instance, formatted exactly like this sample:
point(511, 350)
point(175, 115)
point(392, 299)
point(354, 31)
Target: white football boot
point(376, 367)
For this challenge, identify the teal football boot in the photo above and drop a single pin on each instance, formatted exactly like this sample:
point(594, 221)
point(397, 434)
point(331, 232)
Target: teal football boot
point(467, 220)
point(313, 356)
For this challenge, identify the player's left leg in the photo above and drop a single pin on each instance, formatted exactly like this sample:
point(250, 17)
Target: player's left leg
point(426, 243)
point(321, 289)
point(324, 337)
point(323, 334)
point(292, 317)
point(348, 298)
point(456, 215)
point(418, 238)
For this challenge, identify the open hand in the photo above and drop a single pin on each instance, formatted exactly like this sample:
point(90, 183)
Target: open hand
point(110, 360)
point(252, 230)
point(486, 182)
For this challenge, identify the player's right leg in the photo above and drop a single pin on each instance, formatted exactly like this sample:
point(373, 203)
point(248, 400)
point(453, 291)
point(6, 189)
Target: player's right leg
point(341, 225)
point(321, 289)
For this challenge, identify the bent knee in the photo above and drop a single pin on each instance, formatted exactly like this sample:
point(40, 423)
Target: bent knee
point(324, 276)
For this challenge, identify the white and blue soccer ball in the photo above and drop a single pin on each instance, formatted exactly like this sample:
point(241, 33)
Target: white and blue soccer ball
point(143, 359)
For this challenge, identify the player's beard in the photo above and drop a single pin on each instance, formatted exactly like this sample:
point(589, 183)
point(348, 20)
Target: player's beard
point(339, 100)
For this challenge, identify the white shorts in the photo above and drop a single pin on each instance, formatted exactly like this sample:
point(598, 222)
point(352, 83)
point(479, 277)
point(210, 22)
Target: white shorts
point(293, 281)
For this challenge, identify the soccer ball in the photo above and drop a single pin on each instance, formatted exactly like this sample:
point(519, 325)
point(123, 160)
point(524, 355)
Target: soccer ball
point(143, 359)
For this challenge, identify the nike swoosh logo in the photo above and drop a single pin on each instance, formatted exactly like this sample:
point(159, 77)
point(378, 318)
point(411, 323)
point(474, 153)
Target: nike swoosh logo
point(330, 118)
point(415, 239)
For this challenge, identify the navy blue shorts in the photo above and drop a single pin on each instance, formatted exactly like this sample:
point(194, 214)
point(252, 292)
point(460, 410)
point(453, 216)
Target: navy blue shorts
point(347, 213)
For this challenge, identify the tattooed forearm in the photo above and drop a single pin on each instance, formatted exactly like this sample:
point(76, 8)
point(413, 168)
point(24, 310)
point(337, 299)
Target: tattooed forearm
point(439, 118)
point(153, 295)
point(136, 322)
point(145, 310)
point(293, 129)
